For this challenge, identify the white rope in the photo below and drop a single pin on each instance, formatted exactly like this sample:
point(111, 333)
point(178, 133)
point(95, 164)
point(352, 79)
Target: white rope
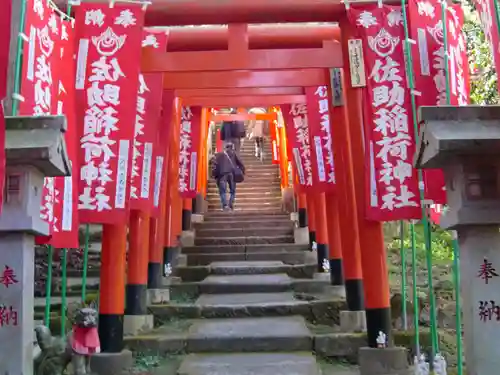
point(23, 36)
point(63, 15)
point(17, 97)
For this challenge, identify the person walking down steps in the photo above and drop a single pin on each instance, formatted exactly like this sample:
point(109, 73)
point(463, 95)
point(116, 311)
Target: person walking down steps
point(227, 170)
point(233, 132)
point(256, 132)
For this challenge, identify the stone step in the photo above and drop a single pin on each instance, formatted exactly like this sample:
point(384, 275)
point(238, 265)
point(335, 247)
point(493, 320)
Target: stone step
point(244, 216)
point(213, 193)
point(268, 199)
point(250, 335)
point(247, 299)
point(200, 272)
point(263, 180)
point(245, 206)
point(250, 364)
point(288, 257)
point(257, 189)
point(248, 267)
point(223, 224)
point(248, 249)
point(273, 283)
point(244, 305)
point(249, 231)
point(242, 240)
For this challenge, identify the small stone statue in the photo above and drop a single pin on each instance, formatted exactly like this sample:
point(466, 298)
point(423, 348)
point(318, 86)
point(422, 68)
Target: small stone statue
point(167, 270)
point(314, 245)
point(326, 266)
point(439, 364)
point(420, 365)
point(56, 352)
point(381, 340)
point(84, 340)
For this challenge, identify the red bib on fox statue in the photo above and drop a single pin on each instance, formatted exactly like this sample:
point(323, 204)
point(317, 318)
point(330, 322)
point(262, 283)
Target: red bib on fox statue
point(85, 340)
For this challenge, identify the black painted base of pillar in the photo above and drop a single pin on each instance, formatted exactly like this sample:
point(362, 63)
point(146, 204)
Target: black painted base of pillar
point(355, 295)
point(302, 217)
point(136, 296)
point(198, 204)
point(186, 219)
point(111, 333)
point(194, 205)
point(154, 275)
point(336, 272)
point(321, 255)
point(378, 320)
point(312, 239)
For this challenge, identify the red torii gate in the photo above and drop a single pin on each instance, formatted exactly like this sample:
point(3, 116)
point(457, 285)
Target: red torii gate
point(240, 67)
point(261, 59)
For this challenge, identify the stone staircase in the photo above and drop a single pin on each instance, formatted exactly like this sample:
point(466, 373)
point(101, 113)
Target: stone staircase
point(249, 295)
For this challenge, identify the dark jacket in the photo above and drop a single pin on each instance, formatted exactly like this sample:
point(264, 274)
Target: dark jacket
point(232, 129)
point(221, 164)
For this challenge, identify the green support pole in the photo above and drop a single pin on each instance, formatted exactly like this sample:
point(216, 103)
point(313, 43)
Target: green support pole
point(427, 234)
point(85, 262)
point(64, 287)
point(458, 307)
point(48, 285)
point(414, 287)
point(403, 275)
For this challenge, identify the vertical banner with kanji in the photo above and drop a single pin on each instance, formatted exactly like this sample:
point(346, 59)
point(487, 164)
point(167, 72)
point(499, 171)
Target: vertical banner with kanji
point(162, 149)
point(320, 137)
point(392, 182)
point(426, 28)
point(429, 67)
point(39, 76)
point(458, 63)
point(39, 87)
point(489, 22)
point(107, 74)
point(297, 129)
point(189, 144)
point(66, 221)
point(149, 100)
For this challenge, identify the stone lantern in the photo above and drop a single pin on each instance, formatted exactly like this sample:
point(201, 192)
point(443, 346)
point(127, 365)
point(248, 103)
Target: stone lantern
point(34, 149)
point(465, 143)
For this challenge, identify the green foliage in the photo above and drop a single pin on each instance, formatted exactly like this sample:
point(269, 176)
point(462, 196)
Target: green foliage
point(483, 86)
point(441, 243)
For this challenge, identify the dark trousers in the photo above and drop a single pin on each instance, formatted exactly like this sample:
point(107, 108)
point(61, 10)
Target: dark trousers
point(222, 183)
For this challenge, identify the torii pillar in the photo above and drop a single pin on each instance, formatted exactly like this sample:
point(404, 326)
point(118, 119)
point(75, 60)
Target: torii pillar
point(373, 255)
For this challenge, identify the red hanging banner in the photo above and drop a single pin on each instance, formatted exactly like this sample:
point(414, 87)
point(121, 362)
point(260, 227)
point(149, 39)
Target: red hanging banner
point(320, 137)
point(218, 141)
point(109, 41)
point(392, 182)
point(489, 22)
point(39, 78)
point(189, 144)
point(39, 89)
point(297, 130)
point(161, 148)
point(426, 28)
point(149, 99)
point(458, 63)
point(65, 226)
point(5, 19)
